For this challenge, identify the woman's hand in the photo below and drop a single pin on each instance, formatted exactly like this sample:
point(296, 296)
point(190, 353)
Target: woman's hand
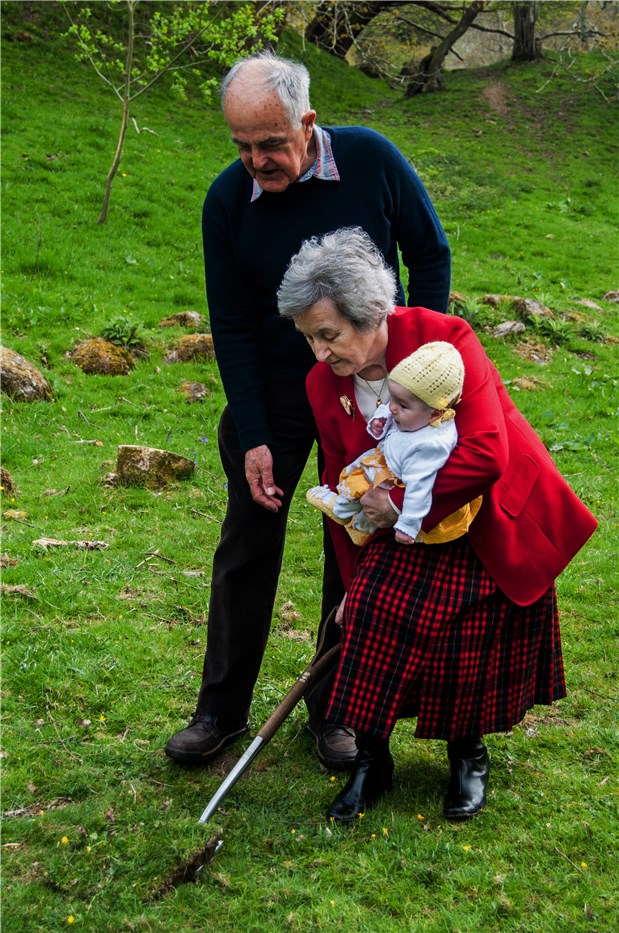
point(377, 506)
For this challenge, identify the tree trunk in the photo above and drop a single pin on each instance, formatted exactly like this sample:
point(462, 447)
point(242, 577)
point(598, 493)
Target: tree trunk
point(337, 24)
point(426, 76)
point(526, 48)
point(131, 5)
point(114, 166)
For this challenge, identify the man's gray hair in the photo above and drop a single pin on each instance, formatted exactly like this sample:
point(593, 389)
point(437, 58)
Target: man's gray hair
point(289, 80)
point(345, 267)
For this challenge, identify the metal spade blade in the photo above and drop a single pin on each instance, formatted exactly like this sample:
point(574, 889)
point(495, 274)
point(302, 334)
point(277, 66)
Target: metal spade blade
point(319, 663)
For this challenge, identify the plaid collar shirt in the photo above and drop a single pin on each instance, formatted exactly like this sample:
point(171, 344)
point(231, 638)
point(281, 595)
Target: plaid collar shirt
point(324, 166)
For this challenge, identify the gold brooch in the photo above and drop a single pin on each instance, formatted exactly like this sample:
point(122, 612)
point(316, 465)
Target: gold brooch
point(348, 406)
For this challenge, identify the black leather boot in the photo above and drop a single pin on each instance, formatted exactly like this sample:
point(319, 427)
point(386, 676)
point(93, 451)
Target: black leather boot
point(470, 766)
point(372, 776)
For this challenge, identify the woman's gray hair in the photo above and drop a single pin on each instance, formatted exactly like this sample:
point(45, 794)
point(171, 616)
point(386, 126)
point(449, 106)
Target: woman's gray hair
point(289, 80)
point(345, 267)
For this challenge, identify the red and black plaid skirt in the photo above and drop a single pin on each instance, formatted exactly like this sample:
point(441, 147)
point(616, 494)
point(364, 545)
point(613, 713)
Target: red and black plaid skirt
point(427, 633)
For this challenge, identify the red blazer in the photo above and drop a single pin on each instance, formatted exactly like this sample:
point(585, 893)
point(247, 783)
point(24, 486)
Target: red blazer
point(530, 524)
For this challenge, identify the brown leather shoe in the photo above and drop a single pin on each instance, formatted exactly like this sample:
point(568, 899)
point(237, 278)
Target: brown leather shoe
point(335, 745)
point(203, 739)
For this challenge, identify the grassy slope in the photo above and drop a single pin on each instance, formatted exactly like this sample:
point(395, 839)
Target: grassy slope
point(104, 664)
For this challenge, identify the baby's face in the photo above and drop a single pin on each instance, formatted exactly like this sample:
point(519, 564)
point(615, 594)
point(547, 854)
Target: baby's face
point(408, 411)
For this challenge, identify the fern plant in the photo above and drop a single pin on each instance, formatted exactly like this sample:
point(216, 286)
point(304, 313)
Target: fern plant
point(593, 331)
point(556, 329)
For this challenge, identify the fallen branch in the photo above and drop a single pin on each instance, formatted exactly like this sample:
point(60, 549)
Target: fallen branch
point(204, 515)
point(151, 615)
point(46, 543)
point(56, 492)
point(17, 590)
point(10, 513)
point(156, 553)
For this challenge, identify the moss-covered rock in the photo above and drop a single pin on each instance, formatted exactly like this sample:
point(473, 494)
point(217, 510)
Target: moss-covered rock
point(150, 467)
point(530, 308)
point(192, 347)
point(101, 357)
point(194, 391)
point(22, 381)
point(182, 319)
point(7, 483)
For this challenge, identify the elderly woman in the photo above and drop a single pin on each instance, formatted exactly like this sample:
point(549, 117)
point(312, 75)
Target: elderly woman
point(465, 634)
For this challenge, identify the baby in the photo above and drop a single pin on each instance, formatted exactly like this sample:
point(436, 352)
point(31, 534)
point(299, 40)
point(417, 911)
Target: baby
point(416, 434)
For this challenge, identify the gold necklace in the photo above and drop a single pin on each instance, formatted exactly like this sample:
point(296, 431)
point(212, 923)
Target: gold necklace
point(378, 394)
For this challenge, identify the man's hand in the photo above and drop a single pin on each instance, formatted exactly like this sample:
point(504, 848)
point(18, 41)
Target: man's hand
point(259, 475)
point(376, 505)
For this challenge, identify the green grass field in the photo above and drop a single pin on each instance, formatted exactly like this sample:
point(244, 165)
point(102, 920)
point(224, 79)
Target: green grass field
point(101, 661)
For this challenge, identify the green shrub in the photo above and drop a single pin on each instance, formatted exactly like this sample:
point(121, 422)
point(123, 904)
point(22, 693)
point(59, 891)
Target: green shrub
point(124, 332)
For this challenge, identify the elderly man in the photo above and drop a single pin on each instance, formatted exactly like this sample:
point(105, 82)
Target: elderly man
point(293, 180)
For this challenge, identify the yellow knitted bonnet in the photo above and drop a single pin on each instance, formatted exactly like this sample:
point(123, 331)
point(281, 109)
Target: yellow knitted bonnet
point(434, 373)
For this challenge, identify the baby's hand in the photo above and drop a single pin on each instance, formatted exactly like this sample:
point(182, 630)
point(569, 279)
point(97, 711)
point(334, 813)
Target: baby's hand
point(377, 426)
point(402, 538)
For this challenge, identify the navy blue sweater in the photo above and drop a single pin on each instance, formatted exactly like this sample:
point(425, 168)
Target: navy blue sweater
point(247, 247)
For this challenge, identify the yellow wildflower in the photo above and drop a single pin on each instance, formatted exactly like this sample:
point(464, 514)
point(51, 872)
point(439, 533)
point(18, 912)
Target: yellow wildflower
point(70, 919)
point(64, 840)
